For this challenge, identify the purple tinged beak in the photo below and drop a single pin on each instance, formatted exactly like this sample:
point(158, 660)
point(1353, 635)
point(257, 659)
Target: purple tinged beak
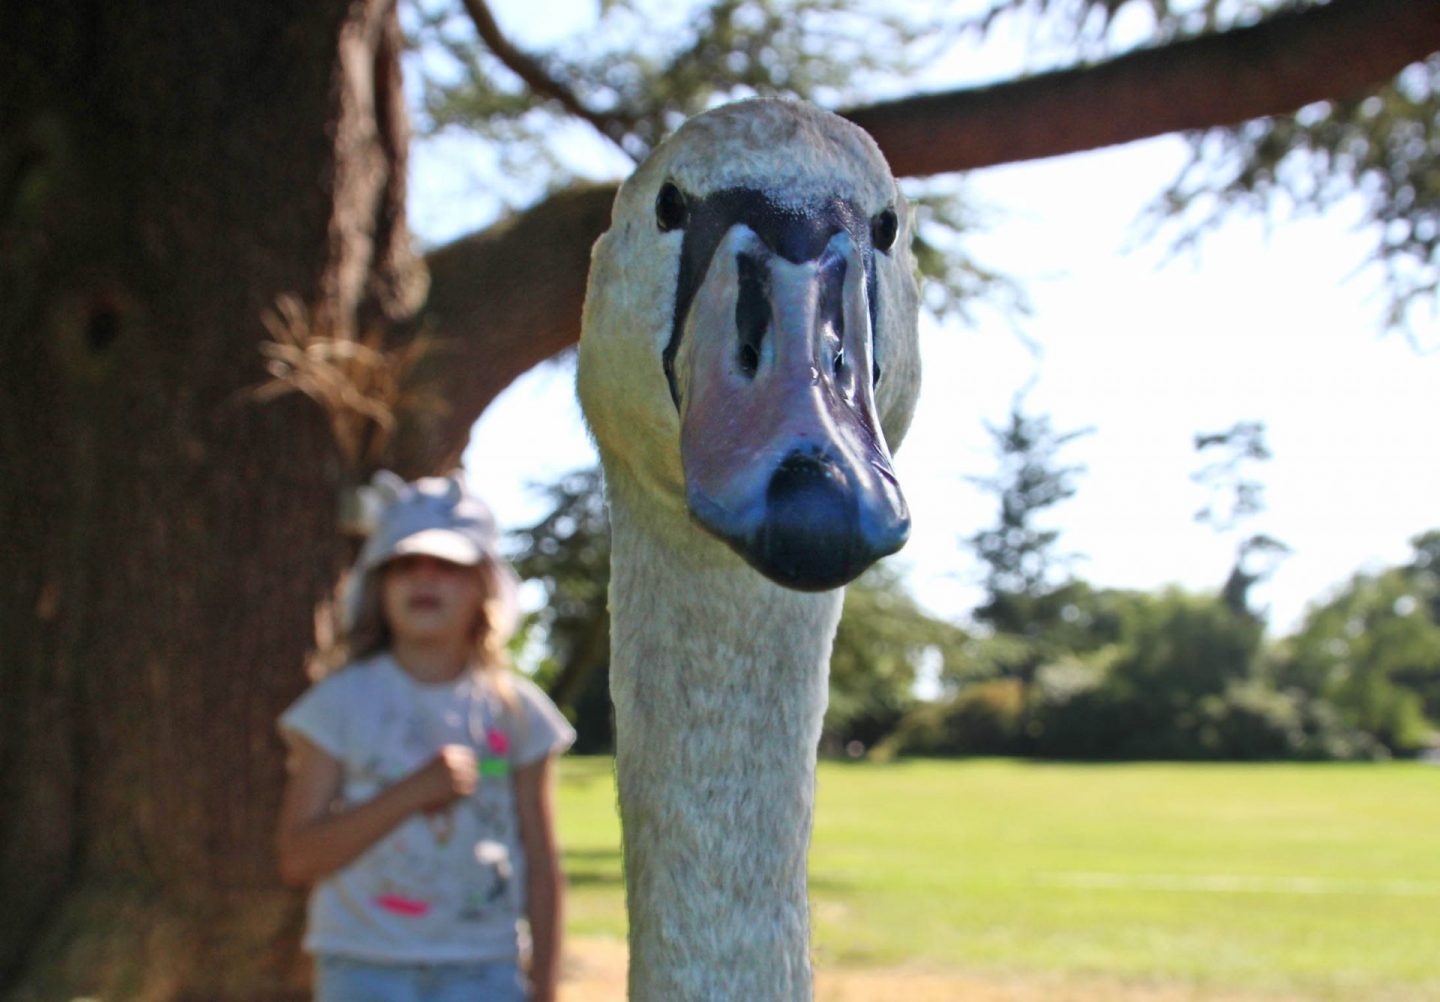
point(783, 454)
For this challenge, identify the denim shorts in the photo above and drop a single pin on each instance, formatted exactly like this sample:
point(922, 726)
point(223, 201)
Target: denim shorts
point(342, 979)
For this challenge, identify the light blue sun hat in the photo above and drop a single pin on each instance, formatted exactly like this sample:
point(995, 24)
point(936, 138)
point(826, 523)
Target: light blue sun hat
point(435, 517)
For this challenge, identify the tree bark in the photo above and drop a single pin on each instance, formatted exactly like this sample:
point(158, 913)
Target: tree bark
point(167, 169)
point(1333, 51)
point(1277, 66)
point(501, 301)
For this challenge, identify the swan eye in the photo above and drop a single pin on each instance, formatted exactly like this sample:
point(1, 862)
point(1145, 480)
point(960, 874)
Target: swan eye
point(671, 211)
point(883, 229)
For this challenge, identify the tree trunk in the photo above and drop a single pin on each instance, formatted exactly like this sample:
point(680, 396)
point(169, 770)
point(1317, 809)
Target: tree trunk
point(167, 170)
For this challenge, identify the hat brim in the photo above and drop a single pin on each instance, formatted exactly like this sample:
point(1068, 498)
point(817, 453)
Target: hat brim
point(442, 544)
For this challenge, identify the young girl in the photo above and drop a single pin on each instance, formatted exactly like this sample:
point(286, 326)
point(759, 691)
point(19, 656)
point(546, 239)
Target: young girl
point(419, 804)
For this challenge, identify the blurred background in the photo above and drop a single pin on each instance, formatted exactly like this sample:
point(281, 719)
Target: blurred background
point(1144, 706)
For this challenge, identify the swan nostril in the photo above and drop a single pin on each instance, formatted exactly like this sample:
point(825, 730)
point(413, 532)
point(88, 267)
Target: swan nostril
point(752, 313)
point(830, 311)
point(749, 360)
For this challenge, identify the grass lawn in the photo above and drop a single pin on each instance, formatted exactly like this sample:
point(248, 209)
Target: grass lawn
point(1322, 880)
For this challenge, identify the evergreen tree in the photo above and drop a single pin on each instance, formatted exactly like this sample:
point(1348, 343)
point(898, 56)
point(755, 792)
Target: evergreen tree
point(567, 553)
point(1023, 567)
point(1235, 497)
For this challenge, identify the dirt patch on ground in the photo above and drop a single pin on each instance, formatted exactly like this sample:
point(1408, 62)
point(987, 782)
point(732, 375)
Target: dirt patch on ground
point(594, 971)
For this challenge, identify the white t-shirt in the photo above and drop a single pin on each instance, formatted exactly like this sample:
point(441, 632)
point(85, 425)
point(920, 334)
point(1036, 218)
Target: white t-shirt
point(438, 888)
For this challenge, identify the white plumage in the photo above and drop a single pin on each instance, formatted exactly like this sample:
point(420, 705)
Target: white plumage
point(770, 437)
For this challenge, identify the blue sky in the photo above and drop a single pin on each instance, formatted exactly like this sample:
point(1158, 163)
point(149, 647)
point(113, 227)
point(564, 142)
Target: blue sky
point(1272, 321)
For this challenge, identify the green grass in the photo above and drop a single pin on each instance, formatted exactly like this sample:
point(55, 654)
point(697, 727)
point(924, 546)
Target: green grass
point(1320, 879)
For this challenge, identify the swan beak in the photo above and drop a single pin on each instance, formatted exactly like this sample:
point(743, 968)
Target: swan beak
point(782, 450)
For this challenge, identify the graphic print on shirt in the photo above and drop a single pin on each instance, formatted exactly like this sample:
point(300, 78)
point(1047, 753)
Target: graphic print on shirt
point(494, 860)
point(454, 864)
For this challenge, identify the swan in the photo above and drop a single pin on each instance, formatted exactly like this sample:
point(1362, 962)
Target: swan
point(748, 357)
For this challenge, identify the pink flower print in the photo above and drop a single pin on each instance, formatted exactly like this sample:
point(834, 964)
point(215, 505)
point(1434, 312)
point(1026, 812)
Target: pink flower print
point(498, 742)
point(402, 906)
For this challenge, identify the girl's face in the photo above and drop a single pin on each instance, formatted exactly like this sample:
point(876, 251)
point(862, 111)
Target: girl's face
point(426, 599)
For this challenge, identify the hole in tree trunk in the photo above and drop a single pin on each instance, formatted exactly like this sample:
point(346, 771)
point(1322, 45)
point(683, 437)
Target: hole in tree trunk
point(102, 327)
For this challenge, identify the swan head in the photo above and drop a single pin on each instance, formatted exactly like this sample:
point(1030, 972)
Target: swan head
point(749, 348)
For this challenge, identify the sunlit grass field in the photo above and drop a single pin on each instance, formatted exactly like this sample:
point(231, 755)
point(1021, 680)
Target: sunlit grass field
point(1317, 880)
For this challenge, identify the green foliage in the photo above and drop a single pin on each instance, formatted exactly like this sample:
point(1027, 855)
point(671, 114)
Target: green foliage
point(1032, 612)
point(956, 281)
point(1251, 720)
point(641, 70)
point(1073, 711)
point(1233, 492)
point(882, 640)
point(1236, 496)
point(1153, 676)
point(1184, 680)
point(1179, 647)
point(984, 719)
point(1382, 146)
point(568, 554)
point(1373, 650)
point(1103, 674)
point(1110, 674)
point(1064, 623)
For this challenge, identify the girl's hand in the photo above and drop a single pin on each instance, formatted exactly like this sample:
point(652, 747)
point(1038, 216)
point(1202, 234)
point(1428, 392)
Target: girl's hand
point(450, 776)
point(314, 839)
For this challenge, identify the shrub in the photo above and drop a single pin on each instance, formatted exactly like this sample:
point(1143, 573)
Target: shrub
point(984, 719)
point(1076, 710)
point(1250, 720)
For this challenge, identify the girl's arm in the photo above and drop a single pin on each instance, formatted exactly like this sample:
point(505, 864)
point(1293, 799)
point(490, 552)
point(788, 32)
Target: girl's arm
point(544, 884)
point(314, 840)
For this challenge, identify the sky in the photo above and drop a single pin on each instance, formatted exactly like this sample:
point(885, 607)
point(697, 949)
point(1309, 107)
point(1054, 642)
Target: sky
point(1268, 320)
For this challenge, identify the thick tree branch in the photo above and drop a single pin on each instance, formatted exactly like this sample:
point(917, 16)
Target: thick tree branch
point(1283, 63)
point(512, 296)
point(503, 300)
point(537, 78)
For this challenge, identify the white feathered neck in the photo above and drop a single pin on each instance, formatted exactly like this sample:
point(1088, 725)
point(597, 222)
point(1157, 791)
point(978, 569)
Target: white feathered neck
point(719, 676)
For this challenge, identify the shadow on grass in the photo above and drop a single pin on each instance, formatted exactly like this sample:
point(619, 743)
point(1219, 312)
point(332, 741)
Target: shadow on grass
point(592, 878)
point(593, 855)
point(592, 867)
